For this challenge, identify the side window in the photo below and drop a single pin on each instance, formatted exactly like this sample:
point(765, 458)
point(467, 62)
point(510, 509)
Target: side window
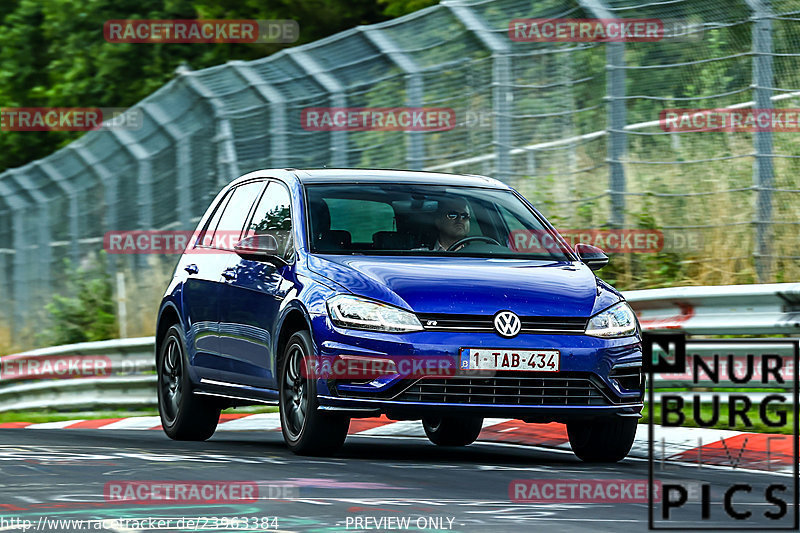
point(211, 225)
point(511, 220)
point(229, 228)
point(273, 217)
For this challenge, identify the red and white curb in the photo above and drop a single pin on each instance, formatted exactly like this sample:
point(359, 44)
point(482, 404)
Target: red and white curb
point(753, 451)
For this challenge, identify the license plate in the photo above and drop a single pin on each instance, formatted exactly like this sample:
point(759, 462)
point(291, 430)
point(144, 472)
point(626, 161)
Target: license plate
point(503, 359)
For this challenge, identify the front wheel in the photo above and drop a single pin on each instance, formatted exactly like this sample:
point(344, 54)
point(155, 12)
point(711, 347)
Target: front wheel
point(606, 440)
point(306, 429)
point(184, 416)
point(452, 430)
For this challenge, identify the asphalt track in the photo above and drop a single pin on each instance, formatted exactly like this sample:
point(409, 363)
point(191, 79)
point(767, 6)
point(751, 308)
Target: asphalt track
point(57, 474)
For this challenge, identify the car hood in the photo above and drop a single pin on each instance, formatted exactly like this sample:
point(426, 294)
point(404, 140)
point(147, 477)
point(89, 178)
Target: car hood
point(478, 286)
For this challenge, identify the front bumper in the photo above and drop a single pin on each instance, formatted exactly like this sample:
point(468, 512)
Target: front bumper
point(597, 377)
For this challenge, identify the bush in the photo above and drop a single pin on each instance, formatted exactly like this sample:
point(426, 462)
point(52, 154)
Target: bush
point(85, 312)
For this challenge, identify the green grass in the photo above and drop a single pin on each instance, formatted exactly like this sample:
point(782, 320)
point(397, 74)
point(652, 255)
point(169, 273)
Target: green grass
point(39, 416)
point(705, 413)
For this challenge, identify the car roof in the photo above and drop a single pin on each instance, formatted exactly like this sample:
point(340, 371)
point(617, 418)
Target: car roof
point(339, 175)
point(350, 175)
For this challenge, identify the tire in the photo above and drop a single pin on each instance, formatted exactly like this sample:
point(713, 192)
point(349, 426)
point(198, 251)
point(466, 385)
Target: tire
point(452, 430)
point(184, 416)
point(306, 429)
point(607, 440)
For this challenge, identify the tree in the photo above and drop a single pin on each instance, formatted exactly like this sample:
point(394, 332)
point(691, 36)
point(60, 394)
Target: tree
point(53, 54)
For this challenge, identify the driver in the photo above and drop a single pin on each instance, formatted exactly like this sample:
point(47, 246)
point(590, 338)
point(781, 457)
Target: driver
point(452, 221)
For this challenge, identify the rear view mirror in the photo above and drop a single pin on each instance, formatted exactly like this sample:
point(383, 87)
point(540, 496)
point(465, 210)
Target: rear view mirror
point(592, 256)
point(259, 248)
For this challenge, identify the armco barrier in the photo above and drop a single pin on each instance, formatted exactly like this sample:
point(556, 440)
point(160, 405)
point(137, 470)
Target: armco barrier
point(772, 309)
point(130, 379)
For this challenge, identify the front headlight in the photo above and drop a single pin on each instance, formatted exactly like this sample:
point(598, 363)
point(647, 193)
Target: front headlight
point(349, 311)
point(616, 321)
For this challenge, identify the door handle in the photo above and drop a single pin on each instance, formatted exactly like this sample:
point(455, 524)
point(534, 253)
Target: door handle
point(229, 274)
point(192, 269)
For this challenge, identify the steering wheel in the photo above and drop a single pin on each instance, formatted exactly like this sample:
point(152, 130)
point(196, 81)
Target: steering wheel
point(474, 238)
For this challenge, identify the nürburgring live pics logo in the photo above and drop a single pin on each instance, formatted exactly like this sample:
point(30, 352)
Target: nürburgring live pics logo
point(753, 380)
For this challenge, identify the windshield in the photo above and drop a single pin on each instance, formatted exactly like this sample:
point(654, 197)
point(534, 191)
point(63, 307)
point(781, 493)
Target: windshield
point(399, 219)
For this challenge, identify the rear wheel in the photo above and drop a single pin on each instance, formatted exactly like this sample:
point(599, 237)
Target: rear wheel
point(452, 430)
point(306, 429)
point(606, 440)
point(184, 416)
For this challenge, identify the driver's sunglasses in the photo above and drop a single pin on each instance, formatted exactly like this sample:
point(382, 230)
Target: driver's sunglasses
point(453, 215)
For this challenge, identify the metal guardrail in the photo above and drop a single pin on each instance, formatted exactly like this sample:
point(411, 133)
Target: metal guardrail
point(769, 309)
point(122, 375)
point(127, 377)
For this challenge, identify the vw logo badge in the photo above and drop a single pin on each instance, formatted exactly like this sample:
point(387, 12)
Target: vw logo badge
point(507, 323)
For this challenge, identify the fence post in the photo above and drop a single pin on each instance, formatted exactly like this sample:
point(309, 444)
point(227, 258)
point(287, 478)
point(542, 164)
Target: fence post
point(110, 192)
point(415, 89)
point(122, 305)
point(617, 116)
point(618, 140)
point(144, 174)
point(334, 88)
point(277, 111)
point(183, 169)
point(502, 96)
point(226, 150)
point(763, 171)
point(6, 260)
point(43, 237)
point(74, 208)
point(20, 270)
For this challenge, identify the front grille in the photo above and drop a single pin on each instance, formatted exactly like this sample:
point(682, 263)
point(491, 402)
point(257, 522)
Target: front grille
point(479, 323)
point(513, 389)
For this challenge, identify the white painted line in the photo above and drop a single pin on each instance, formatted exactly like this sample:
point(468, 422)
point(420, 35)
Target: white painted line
point(256, 422)
point(489, 422)
point(53, 425)
point(134, 422)
point(406, 428)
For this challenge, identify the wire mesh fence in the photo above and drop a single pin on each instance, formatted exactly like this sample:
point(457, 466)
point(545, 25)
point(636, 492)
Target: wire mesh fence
point(573, 125)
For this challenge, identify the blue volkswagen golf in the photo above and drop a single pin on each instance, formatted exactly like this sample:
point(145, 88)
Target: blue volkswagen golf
point(358, 293)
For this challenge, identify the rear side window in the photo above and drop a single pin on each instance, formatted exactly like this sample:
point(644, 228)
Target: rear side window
point(228, 229)
point(211, 225)
point(273, 217)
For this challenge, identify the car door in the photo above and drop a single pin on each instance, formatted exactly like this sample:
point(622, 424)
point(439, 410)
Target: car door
point(200, 294)
point(251, 299)
point(215, 255)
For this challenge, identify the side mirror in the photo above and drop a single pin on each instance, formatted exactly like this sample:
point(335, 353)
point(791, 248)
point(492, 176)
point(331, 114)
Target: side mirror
point(259, 248)
point(592, 256)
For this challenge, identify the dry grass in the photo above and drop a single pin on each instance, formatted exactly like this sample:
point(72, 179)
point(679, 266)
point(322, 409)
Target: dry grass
point(709, 200)
point(6, 346)
point(144, 289)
